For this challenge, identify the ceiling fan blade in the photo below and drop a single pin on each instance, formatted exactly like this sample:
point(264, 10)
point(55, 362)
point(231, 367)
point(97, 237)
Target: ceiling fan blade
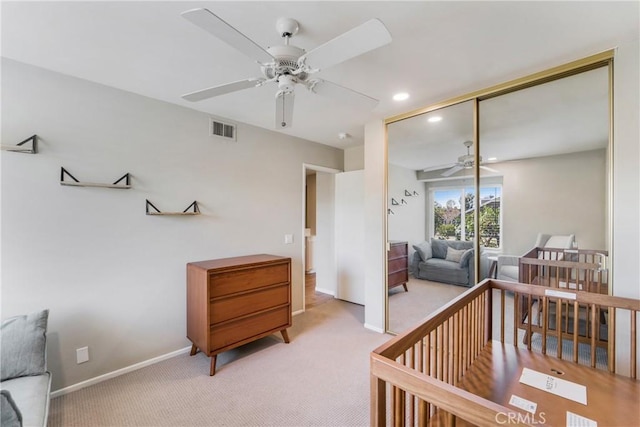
point(452, 170)
point(222, 89)
point(213, 24)
point(343, 94)
point(284, 109)
point(439, 167)
point(361, 39)
point(489, 169)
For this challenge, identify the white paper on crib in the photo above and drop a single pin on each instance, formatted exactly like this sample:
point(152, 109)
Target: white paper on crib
point(575, 420)
point(553, 385)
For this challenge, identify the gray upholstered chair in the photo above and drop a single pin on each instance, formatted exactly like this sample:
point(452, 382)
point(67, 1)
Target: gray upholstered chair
point(508, 264)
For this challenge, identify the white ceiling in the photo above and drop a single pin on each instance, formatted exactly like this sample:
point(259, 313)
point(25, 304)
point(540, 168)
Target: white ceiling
point(563, 116)
point(439, 50)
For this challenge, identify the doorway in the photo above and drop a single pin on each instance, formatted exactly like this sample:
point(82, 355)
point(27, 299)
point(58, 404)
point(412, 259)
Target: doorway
point(319, 251)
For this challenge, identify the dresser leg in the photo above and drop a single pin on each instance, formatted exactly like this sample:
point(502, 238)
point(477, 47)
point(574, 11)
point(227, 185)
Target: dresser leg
point(405, 287)
point(285, 335)
point(212, 370)
point(194, 349)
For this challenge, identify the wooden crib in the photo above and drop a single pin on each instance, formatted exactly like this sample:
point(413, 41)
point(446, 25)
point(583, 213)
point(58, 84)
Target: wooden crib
point(461, 366)
point(561, 269)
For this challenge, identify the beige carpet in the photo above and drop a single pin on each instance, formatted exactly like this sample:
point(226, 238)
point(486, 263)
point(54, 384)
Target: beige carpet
point(408, 309)
point(320, 379)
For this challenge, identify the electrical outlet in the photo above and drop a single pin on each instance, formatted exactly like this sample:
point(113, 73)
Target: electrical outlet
point(288, 239)
point(82, 355)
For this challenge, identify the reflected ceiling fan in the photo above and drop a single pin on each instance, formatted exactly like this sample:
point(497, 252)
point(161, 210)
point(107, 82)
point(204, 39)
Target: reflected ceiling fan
point(464, 162)
point(288, 65)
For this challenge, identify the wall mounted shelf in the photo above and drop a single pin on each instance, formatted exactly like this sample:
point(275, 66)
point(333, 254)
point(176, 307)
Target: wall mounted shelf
point(22, 147)
point(156, 211)
point(75, 183)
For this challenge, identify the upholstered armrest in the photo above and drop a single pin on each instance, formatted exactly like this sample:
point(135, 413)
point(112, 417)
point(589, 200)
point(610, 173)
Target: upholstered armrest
point(507, 260)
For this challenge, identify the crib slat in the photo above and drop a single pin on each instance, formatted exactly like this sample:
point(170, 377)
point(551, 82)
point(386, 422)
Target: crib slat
point(516, 320)
point(559, 328)
point(593, 335)
point(632, 358)
point(456, 349)
point(611, 339)
point(529, 321)
point(545, 308)
point(576, 315)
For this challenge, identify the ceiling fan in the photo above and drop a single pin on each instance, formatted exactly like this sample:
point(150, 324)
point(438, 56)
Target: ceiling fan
point(288, 65)
point(464, 162)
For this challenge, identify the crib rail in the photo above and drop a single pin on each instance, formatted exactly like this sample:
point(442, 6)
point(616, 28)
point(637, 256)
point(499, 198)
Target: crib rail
point(415, 376)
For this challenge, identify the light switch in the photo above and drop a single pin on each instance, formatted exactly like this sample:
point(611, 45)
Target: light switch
point(288, 239)
point(82, 355)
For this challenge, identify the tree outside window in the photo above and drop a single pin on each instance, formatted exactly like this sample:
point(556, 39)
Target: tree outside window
point(453, 218)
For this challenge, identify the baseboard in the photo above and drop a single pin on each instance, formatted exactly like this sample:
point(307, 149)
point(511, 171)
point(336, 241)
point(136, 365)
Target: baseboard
point(117, 373)
point(326, 291)
point(373, 328)
point(295, 313)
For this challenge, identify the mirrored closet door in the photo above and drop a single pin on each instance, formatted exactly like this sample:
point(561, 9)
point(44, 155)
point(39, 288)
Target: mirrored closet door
point(541, 169)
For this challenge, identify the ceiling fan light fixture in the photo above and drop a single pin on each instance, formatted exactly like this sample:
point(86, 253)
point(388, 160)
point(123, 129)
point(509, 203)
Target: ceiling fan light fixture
point(401, 96)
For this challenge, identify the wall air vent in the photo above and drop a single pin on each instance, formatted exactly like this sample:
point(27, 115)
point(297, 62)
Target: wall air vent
point(222, 130)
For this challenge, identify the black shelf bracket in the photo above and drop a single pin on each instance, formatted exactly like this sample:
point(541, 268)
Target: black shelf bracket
point(118, 184)
point(21, 147)
point(192, 209)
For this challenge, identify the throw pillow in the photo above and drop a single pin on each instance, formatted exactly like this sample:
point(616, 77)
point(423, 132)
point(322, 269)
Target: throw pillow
point(466, 256)
point(23, 345)
point(439, 248)
point(11, 415)
point(424, 250)
point(454, 255)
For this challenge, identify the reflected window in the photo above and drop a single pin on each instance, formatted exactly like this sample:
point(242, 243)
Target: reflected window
point(453, 214)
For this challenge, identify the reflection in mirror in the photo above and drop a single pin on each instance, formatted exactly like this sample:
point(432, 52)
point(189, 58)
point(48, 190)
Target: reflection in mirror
point(429, 181)
point(549, 143)
point(544, 181)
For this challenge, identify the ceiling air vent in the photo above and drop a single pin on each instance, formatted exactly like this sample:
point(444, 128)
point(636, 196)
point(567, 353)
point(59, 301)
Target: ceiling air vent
point(222, 130)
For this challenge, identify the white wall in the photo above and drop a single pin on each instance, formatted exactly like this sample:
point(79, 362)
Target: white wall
point(408, 220)
point(375, 178)
point(626, 186)
point(114, 278)
point(563, 194)
point(354, 158)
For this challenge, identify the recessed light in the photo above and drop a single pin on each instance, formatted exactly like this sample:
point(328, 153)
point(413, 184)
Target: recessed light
point(434, 119)
point(402, 96)
point(492, 159)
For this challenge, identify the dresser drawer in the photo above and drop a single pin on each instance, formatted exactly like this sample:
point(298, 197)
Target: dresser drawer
point(397, 250)
point(397, 264)
point(398, 278)
point(247, 328)
point(239, 305)
point(230, 282)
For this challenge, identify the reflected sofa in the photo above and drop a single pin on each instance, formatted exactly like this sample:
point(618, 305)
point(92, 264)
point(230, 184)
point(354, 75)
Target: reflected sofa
point(448, 261)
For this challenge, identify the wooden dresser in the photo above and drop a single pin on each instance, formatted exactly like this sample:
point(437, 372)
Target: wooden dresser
point(233, 301)
point(398, 264)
